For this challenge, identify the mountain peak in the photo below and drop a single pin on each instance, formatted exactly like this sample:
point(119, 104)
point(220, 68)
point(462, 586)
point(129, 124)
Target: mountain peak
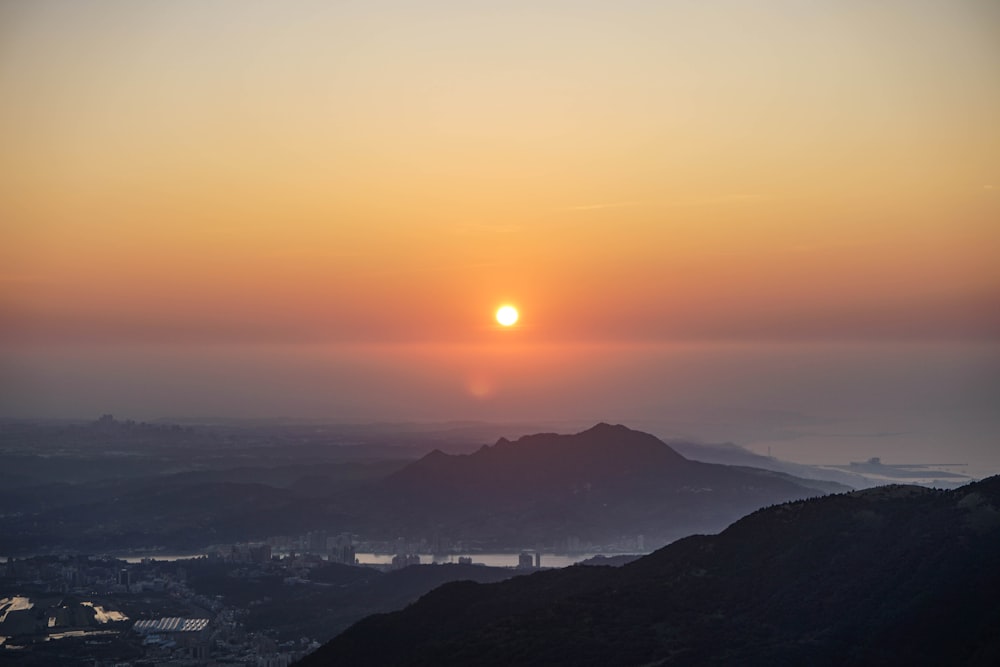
point(596, 443)
point(601, 455)
point(604, 427)
point(550, 486)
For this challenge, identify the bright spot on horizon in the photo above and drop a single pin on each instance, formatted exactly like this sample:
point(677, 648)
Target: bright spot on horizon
point(507, 315)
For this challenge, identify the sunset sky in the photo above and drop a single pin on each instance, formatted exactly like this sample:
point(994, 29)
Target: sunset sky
point(371, 180)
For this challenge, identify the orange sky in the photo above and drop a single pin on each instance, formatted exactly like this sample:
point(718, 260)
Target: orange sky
point(314, 171)
point(776, 223)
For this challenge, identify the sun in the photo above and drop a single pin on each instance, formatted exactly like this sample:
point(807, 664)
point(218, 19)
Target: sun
point(507, 315)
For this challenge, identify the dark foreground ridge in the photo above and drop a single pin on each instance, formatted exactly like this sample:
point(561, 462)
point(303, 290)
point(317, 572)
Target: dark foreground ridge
point(893, 575)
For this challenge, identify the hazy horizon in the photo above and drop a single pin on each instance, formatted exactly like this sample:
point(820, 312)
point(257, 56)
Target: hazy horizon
point(807, 402)
point(774, 224)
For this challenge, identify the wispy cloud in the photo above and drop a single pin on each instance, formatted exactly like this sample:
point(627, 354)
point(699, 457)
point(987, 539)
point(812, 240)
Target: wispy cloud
point(711, 201)
point(723, 199)
point(595, 207)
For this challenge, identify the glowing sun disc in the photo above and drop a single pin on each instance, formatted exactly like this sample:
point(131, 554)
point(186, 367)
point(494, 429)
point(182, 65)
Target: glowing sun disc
point(507, 315)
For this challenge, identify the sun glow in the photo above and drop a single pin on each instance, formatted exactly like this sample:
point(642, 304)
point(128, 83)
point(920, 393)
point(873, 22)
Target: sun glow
point(507, 315)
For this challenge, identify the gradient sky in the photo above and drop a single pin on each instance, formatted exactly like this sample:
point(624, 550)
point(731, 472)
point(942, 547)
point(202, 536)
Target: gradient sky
point(343, 175)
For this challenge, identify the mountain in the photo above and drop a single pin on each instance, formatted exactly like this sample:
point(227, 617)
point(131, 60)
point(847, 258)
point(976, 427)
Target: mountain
point(891, 575)
point(727, 453)
point(858, 475)
point(115, 485)
point(596, 486)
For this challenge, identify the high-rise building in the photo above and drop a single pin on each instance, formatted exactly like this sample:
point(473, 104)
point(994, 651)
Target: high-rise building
point(341, 549)
point(399, 561)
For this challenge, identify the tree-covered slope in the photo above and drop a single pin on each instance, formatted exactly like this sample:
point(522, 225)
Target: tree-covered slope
point(893, 575)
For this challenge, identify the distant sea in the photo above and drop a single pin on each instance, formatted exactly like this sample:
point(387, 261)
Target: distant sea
point(813, 402)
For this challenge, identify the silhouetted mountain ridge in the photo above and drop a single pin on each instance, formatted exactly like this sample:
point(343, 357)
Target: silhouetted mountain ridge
point(606, 485)
point(601, 453)
point(895, 575)
point(597, 485)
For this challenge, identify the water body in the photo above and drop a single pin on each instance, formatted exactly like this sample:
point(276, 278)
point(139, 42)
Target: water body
point(490, 559)
point(101, 615)
point(159, 557)
point(16, 603)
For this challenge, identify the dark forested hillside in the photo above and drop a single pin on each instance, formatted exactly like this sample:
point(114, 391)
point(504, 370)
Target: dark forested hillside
point(892, 575)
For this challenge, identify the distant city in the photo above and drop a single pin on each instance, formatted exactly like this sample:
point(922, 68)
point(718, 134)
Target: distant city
point(150, 610)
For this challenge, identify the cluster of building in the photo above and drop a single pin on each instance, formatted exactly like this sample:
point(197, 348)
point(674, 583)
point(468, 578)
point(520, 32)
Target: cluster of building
point(203, 642)
point(339, 547)
point(83, 575)
point(399, 561)
point(527, 560)
point(99, 587)
point(332, 547)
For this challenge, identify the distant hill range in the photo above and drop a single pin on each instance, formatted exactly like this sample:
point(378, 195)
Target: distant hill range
point(595, 486)
point(859, 475)
point(899, 575)
point(112, 485)
point(731, 454)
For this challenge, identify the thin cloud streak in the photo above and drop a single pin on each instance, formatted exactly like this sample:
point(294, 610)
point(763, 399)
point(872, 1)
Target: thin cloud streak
point(678, 204)
point(597, 207)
